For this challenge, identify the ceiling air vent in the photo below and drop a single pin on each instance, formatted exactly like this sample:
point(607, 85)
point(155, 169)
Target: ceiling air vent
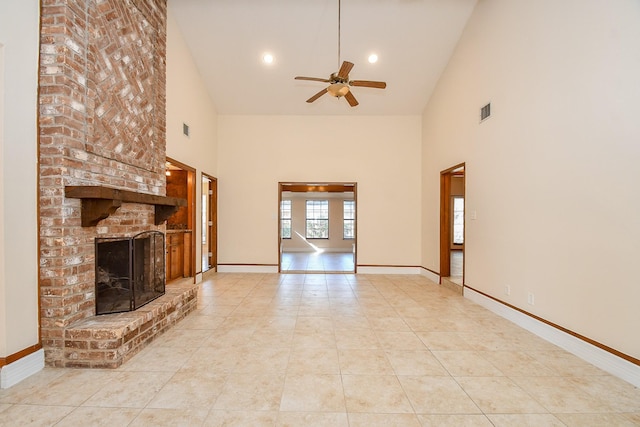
point(485, 112)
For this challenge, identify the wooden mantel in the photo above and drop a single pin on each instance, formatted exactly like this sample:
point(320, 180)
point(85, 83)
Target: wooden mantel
point(99, 202)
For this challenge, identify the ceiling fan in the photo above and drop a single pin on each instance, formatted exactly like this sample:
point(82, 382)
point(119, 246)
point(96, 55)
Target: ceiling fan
point(339, 83)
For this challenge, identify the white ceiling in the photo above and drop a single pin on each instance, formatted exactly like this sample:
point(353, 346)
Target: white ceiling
point(414, 39)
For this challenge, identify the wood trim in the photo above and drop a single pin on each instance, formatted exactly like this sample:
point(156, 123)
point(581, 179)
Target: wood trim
point(561, 328)
point(99, 202)
point(322, 188)
point(19, 355)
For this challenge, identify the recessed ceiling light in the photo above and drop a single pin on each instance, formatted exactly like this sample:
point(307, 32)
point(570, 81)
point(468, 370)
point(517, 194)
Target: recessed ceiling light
point(373, 58)
point(267, 58)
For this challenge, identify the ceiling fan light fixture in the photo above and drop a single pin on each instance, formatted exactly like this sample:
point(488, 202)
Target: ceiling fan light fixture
point(338, 89)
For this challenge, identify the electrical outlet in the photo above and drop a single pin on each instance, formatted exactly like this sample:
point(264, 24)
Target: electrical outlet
point(507, 290)
point(531, 299)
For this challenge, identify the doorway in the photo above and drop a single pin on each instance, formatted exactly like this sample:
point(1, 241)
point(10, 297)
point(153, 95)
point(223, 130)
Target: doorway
point(209, 236)
point(317, 227)
point(180, 239)
point(452, 225)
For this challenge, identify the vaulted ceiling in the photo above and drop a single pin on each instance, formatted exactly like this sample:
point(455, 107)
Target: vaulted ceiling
point(413, 39)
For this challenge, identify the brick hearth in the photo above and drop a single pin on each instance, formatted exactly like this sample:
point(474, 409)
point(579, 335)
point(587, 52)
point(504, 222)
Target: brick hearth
point(102, 122)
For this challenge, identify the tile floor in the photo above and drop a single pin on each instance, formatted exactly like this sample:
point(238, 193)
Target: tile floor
point(317, 262)
point(331, 350)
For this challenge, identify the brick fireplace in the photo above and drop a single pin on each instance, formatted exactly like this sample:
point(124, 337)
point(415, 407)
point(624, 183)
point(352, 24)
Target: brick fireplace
point(102, 123)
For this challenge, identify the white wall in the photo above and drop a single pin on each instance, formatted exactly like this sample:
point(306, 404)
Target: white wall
point(188, 102)
point(19, 28)
point(380, 153)
point(553, 174)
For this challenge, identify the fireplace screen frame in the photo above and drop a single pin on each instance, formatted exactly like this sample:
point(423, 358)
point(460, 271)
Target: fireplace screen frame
point(129, 271)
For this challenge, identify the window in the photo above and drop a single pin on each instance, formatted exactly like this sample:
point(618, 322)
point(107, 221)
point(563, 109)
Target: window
point(349, 219)
point(285, 219)
point(317, 219)
point(458, 220)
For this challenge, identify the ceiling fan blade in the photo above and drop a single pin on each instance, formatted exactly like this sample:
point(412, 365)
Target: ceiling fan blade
point(313, 79)
point(351, 99)
point(368, 83)
point(317, 95)
point(345, 69)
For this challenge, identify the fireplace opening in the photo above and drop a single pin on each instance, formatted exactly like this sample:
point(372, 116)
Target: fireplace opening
point(130, 272)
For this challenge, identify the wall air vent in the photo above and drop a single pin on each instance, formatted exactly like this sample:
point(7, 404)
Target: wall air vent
point(485, 112)
point(185, 129)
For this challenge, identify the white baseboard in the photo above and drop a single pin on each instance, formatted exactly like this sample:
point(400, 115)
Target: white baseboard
point(198, 278)
point(247, 268)
point(430, 275)
point(324, 250)
point(604, 360)
point(19, 370)
point(388, 270)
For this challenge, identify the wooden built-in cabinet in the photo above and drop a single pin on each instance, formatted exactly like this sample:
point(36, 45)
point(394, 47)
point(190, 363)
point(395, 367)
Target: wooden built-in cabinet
point(178, 263)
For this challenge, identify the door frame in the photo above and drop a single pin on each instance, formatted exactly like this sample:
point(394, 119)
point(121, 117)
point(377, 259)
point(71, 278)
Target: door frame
point(446, 220)
point(325, 187)
point(212, 219)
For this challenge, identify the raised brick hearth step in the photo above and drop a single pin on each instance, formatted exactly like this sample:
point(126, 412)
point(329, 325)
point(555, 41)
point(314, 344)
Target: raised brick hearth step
point(107, 341)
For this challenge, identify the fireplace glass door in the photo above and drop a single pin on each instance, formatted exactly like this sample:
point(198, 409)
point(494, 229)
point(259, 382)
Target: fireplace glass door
point(130, 272)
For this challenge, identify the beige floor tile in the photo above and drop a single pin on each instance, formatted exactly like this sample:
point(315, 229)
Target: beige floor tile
point(383, 420)
point(99, 417)
point(316, 419)
point(201, 321)
point(129, 390)
point(313, 393)
point(350, 322)
point(71, 388)
point(400, 341)
point(170, 418)
point(391, 324)
point(315, 339)
point(619, 395)
point(444, 341)
point(517, 364)
point(634, 417)
point(314, 361)
point(220, 418)
point(33, 415)
point(565, 363)
point(356, 339)
point(595, 420)
point(499, 395)
point(191, 338)
point(314, 324)
point(157, 358)
point(259, 360)
point(455, 421)
point(185, 390)
point(415, 363)
point(375, 394)
point(301, 349)
point(525, 420)
point(364, 362)
point(252, 392)
point(437, 395)
point(466, 364)
point(212, 359)
point(558, 395)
